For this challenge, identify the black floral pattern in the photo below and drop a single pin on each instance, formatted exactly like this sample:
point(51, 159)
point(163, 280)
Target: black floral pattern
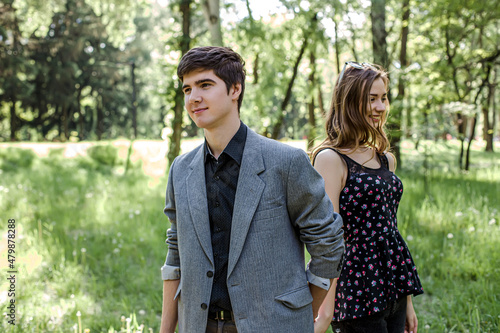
point(378, 267)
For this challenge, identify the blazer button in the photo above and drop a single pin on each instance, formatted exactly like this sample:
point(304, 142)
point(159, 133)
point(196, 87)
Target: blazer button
point(204, 306)
point(210, 273)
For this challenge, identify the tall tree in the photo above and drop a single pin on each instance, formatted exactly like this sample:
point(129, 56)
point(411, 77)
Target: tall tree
point(185, 40)
point(211, 11)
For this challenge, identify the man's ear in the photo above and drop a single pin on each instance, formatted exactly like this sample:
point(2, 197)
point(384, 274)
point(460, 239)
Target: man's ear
point(235, 91)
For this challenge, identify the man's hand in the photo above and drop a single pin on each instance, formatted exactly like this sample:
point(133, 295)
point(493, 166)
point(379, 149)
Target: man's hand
point(411, 324)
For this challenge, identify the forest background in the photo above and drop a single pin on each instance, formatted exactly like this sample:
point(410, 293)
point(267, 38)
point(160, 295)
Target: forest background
point(103, 73)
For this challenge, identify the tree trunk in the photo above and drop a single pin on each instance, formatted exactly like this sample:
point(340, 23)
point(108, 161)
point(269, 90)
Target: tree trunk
point(81, 127)
point(379, 41)
point(211, 11)
point(471, 138)
point(337, 46)
point(65, 121)
point(99, 119)
point(134, 102)
point(398, 111)
point(13, 121)
point(461, 136)
point(321, 105)
point(175, 138)
point(288, 96)
point(490, 126)
point(311, 135)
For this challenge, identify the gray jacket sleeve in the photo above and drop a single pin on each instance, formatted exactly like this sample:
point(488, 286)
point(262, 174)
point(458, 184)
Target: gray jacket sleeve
point(171, 269)
point(311, 211)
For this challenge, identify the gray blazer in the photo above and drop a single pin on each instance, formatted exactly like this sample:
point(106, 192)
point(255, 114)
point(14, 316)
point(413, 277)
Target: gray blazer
point(280, 205)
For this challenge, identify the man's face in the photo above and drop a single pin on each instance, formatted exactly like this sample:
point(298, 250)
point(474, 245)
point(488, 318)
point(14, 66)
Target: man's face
point(207, 101)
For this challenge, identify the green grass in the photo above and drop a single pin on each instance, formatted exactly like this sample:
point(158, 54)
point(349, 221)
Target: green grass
point(90, 240)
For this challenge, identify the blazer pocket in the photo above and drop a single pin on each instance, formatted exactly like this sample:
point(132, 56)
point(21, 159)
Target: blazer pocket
point(296, 299)
point(268, 213)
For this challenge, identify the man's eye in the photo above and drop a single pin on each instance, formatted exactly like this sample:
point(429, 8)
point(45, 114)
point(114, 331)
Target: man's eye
point(186, 91)
point(205, 85)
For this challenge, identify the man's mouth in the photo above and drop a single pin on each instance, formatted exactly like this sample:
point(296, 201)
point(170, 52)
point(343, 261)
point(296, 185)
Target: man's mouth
point(198, 110)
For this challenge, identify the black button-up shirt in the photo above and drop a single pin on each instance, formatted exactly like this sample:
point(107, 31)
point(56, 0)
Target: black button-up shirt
point(221, 178)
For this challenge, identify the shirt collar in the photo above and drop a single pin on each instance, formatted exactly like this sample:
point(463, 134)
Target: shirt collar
point(234, 148)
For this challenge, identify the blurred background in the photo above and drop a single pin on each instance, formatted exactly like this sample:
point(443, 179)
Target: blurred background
point(91, 116)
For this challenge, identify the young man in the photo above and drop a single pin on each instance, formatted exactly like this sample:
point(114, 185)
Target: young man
point(241, 208)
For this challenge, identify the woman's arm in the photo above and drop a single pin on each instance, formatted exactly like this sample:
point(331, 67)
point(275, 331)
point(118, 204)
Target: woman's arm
point(334, 172)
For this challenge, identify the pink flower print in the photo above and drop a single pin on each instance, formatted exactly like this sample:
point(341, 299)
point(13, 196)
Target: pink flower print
point(350, 197)
point(377, 197)
point(359, 195)
point(356, 283)
point(410, 283)
point(370, 267)
point(358, 180)
point(377, 181)
point(368, 213)
point(358, 274)
point(349, 298)
point(379, 225)
point(375, 300)
point(368, 225)
point(365, 186)
point(364, 206)
point(391, 252)
point(369, 178)
point(348, 263)
point(356, 188)
point(381, 281)
point(402, 277)
point(370, 192)
point(374, 205)
point(356, 307)
point(376, 309)
point(393, 267)
point(374, 283)
point(359, 293)
point(385, 229)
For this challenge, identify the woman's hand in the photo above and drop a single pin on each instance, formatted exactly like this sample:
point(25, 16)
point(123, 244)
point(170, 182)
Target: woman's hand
point(411, 324)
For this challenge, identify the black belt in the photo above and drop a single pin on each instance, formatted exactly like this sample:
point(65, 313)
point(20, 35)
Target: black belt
point(221, 315)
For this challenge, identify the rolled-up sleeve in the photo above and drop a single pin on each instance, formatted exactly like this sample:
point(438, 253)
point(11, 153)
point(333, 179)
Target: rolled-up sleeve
point(312, 213)
point(171, 269)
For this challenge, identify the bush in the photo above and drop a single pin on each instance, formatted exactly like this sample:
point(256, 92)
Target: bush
point(103, 154)
point(12, 159)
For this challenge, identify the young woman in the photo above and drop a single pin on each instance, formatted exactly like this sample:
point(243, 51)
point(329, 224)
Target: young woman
point(373, 292)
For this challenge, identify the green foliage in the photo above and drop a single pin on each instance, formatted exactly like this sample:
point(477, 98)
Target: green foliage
point(104, 154)
point(14, 159)
point(83, 232)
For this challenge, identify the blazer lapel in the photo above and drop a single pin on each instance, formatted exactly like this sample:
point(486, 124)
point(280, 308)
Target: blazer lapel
point(197, 201)
point(248, 194)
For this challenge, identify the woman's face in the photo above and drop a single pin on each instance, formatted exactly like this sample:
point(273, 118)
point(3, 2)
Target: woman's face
point(378, 103)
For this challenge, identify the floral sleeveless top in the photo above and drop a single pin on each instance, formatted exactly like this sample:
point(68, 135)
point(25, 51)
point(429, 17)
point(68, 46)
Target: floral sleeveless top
point(378, 267)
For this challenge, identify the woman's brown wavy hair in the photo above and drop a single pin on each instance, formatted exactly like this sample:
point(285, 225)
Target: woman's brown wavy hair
point(346, 124)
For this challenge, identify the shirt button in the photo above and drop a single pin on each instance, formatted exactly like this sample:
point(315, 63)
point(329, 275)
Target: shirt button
point(216, 178)
point(210, 274)
point(204, 306)
point(217, 204)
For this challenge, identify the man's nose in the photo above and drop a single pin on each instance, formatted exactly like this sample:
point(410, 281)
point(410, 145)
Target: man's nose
point(194, 97)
